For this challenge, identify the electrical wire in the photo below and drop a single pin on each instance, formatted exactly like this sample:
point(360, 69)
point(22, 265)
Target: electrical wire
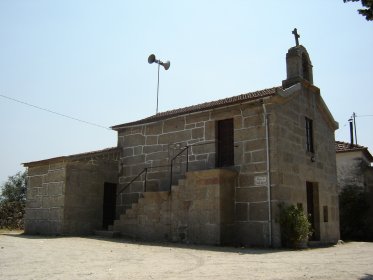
point(358, 116)
point(53, 112)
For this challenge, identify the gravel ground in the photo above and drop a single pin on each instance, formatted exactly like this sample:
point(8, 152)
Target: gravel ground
point(37, 257)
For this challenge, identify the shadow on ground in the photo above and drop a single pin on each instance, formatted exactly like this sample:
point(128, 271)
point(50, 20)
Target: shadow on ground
point(367, 277)
point(121, 240)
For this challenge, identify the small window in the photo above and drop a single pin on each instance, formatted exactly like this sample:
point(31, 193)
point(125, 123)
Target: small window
point(325, 212)
point(309, 135)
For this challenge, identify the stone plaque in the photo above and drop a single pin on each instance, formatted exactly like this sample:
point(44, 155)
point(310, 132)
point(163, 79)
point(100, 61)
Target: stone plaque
point(260, 180)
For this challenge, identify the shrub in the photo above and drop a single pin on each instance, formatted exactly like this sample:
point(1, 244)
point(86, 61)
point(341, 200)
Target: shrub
point(354, 209)
point(295, 227)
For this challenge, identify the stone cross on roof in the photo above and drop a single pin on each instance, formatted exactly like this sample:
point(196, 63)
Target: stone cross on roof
point(297, 36)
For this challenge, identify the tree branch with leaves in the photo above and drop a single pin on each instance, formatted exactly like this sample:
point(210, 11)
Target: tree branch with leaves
point(368, 4)
point(12, 201)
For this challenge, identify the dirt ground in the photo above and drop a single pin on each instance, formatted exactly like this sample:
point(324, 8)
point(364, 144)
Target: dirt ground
point(36, 257)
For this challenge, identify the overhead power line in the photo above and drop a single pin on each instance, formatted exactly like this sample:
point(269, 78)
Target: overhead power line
point(53, 112)
point(360, 116)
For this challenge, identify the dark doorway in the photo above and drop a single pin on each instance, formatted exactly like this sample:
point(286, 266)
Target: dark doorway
point(225, 151)
point(110, 196)
point(313, 209)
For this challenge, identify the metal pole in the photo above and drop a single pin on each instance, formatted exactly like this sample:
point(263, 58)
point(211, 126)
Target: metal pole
point(268, 176)
point(351, 131)
point(157, 89)
point(354, 115)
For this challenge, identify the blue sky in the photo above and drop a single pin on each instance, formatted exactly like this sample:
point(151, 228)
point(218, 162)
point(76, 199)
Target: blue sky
point(88, 59)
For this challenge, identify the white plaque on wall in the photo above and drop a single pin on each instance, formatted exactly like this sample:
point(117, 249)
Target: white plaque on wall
point(260, 180)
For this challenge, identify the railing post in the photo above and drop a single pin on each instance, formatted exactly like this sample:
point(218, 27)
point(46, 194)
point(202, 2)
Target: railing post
point(171, 174)
point(187, 161)
point(146, 173)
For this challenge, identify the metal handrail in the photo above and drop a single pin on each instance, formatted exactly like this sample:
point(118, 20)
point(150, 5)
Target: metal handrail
point(134, 179)
point(145, 170)
point(172, 162)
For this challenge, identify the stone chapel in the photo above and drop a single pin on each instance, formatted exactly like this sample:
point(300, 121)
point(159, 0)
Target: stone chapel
point(212, 173)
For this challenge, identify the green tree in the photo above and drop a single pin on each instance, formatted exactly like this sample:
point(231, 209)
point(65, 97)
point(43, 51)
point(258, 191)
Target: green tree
point(12, 201)
point(368, 12)
point(354, 208)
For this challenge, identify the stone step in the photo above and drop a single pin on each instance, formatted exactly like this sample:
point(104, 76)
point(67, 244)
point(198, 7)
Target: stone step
point(107, 233)
point(181, 182)
point(156, 195)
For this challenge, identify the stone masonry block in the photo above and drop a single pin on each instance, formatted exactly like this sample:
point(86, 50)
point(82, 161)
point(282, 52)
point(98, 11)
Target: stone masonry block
point(137, 150)
point(281, 193)
point(225, 113)
point(152, 149)
point(156, 156)
point(251, 194)
point(56, 214)
point(52, 201)
point(56, 166)
point(253, 121)
point(258, 211)
point(153, 129)
point(134, 160)
point(198, 133)
point(256, 144)
point(237, 122)
point(56, 188)
point(127, 152)
point(198, 117)
point(251, 109)
point(37, 170)
point(259, 156)
point(190, 126)
point(34, 203)
point(151, 140)
point(174, 137)
point(32, 192)
point(245, 180)
point(210, 130)
point(133, 140)
point(242, 212)
point(251, 233)
point(175, 124)
point(35, 181)
point(203, 149)
point(54, 176)
point(137, 130)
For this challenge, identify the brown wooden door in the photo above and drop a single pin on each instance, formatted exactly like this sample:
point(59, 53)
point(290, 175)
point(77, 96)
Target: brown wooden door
point(110, 196)
point(313, 209)
point(225, 151)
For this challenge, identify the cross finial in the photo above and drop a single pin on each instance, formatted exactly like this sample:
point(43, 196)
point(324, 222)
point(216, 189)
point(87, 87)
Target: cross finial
point(297, 36)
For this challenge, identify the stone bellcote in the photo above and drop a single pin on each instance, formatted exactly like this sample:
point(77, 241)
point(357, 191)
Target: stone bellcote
point(298, 66)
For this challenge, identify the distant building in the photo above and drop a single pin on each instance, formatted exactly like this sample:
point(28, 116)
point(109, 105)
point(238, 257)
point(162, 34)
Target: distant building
point(354, 166)
point(212, 173)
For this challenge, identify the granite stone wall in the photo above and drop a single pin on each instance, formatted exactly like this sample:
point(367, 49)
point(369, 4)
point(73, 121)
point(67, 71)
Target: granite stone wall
point(200, 210)
point(45, 199)
point(66, 197)
point(292, 166)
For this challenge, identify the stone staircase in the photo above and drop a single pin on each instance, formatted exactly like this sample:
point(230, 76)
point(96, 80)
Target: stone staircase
point(149, 218)
point(199, 209)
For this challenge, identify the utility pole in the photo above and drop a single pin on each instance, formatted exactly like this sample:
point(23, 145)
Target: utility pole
point(354, 118)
